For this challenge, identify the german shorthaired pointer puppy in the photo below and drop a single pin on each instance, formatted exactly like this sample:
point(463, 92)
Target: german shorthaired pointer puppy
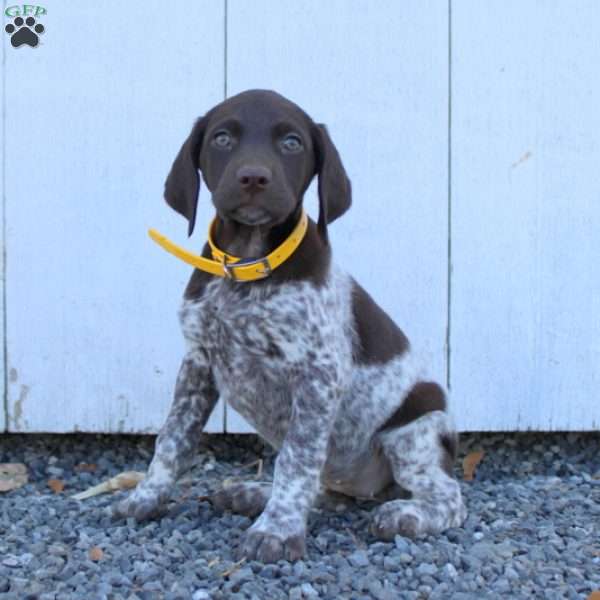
point(301, 351)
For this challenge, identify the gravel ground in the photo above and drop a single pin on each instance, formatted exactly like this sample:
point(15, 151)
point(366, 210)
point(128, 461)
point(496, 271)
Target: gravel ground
point(533, 529)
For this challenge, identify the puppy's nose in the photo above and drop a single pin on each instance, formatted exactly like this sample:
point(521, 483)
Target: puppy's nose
point(256, 178)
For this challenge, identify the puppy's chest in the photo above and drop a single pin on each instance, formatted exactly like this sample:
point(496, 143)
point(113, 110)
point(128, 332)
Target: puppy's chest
point(257, 329)
point(258, 341)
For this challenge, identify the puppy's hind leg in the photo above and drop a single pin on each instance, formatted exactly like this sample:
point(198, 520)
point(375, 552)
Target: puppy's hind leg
point(421, 455)
point(247, 498)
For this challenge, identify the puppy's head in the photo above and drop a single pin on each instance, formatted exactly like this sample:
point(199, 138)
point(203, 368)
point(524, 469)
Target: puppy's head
point(258, 152)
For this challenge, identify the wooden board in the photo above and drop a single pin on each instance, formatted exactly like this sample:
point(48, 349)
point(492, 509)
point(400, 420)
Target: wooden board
point(3, 404)
point(376, 74)
point(525, 302)
point(94, 118)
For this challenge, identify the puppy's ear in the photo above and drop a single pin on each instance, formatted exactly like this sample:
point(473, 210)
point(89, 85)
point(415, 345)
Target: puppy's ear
point(335, 192)
point(183, 182)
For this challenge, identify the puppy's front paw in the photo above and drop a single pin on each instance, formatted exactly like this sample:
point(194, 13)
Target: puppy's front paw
point(270, 547)
point(142, 504)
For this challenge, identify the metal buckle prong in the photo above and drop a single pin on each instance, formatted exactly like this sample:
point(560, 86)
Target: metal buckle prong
point(228, 269)
point(267, 266)
point(229, 273)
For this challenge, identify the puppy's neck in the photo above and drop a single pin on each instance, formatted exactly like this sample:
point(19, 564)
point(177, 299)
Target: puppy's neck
point(252, 241)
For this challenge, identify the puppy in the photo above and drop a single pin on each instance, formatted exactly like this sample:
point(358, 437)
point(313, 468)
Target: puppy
point(300, 349)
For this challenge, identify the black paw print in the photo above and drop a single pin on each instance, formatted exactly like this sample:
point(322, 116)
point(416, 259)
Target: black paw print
point(20, 34)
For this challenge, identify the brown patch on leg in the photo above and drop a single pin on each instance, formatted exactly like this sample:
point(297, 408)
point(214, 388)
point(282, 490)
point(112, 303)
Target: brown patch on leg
point(449, 443)
point(424, 397)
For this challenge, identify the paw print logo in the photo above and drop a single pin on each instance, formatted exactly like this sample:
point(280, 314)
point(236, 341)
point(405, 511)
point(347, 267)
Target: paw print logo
point(24, 32)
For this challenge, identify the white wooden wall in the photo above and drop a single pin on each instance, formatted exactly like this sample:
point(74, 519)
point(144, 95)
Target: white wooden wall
point(471, 133)
point(525, 197)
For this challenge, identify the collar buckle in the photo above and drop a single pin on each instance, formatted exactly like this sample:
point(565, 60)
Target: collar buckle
point(229, 268)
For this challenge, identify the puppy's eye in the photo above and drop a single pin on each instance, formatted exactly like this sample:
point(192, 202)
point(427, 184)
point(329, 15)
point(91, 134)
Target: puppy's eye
point(291, 143)
point(222, 139)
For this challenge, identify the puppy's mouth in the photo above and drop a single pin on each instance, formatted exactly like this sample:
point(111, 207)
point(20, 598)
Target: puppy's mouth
point(251, 215)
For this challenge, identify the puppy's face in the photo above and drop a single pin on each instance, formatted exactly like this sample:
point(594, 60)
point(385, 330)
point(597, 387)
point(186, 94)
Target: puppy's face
point(257, 158)
point(258, 152)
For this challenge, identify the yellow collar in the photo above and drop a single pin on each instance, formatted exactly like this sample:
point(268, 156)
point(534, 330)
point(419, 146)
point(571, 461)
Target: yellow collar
point(233, 267)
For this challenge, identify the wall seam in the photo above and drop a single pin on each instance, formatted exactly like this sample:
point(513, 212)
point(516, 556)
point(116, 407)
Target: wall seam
point(449, 207)
point(225, 73)
point(226, 7)
point(4, 319)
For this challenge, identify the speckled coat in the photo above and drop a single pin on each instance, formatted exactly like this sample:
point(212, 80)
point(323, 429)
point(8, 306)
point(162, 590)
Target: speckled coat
point(321, 372)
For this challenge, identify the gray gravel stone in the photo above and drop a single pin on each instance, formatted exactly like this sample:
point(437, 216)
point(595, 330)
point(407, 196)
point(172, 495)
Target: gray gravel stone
point(392, 563)
point(308, 591)
point(241, 575)
point(359, 559)
point(426, 569)
point(296, 593)
point(449, 571)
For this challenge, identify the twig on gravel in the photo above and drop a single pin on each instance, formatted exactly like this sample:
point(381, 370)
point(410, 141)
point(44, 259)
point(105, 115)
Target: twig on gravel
point(234, 567)
point(259, 471)
point(358, 543)
point(229, 481)
point(250, 464)
point(122, 481)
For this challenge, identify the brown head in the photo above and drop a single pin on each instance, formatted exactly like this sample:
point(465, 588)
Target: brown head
point(258, 153)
